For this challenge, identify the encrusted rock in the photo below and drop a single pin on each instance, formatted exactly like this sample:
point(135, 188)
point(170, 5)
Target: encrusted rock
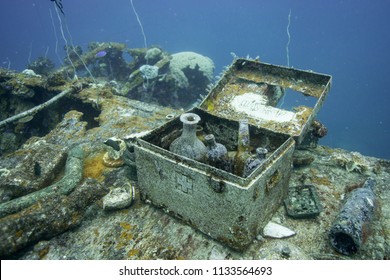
point(48, 217)
point(353, 161)
point(281, 250)
point(30, 72)
point(72, 176)
point(30, 169)
point(299, 161)
point(114, 156)
point(118, 198)
point(153, 54)
point(69, 130)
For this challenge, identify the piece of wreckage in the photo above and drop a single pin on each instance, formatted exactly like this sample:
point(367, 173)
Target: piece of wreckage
point(225, 205)
point(259, 193)
point(153, 76)
point(241, 205)
point(39, 105)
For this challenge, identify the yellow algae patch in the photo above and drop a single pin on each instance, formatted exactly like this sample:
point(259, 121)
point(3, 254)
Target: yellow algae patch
point(133, 252)
point(94, 167)
point(125, 225)
point(126, 235)
point(319, 179)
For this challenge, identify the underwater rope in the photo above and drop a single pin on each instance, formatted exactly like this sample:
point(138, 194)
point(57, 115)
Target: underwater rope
point(289, 39)
point(8, 61)
point(38, 108)
point(73, 47)
point(29, 53)
point(140, 24)
point(56, 37)
point(47, 51)
point(65, 40)
point(79, 57)
point(287, 50)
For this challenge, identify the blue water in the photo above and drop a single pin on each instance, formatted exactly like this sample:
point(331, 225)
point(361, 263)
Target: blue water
point(347, 39)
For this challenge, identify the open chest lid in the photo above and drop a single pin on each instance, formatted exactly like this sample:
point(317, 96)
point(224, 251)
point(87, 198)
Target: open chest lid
point(257, 91)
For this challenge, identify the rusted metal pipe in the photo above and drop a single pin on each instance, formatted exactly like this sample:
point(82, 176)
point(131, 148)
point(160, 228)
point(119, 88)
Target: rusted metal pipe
point(349, 230)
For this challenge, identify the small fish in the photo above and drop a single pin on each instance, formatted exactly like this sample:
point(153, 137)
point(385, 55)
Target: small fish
point(100, 54)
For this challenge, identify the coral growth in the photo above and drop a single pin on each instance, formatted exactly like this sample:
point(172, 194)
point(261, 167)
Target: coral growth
point(41, 66)
point(351, 162)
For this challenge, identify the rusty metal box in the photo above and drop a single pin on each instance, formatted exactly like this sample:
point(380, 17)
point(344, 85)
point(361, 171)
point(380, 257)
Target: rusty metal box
point(230, 208)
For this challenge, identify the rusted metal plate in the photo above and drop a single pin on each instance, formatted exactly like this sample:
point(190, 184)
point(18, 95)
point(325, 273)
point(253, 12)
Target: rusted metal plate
point(252, 89)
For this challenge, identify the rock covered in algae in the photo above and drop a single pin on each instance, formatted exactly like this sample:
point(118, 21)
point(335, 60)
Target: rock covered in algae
point(143, 232)
point(72, 177)
point(153, 55)
point(119, 198)
point(69, 130)
point(47, 218)
point(30, 169)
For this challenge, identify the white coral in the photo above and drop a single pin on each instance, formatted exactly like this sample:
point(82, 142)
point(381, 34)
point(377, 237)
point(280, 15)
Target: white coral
point(153, 54)
point(191, 60)
point(30, 72)
point(149, 72)
point(352, 162)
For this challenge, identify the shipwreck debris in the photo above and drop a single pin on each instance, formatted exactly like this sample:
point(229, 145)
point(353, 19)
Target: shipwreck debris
point(302, 202)
point(73, 175)
point(349, 230)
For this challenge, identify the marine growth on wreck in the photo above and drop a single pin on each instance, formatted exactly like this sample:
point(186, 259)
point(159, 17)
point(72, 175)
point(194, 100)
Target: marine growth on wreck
point(68, 160)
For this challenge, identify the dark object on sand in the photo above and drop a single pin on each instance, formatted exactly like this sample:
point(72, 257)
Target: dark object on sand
point(350, 228)
point(302, 202)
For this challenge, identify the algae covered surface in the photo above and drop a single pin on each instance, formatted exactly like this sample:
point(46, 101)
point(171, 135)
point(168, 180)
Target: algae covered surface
point(145, 232)
point(72, 224)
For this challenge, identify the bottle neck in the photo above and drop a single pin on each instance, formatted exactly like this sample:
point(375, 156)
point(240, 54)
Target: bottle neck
point(210, 141)
point(243, 136)
point(261, 153)
point(189, 130)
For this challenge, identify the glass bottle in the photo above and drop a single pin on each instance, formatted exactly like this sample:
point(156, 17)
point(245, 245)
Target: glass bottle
point(254, 161)
point(243, 148)
point(217, 154)
point(188, 144)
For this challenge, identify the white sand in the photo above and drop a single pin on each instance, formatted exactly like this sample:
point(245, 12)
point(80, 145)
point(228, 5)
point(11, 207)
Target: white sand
point(253, 105)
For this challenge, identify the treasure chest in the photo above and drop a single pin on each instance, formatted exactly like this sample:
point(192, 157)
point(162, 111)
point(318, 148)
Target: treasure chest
point(230, 208)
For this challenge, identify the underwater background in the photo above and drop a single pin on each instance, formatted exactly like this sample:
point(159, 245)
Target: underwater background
point(346, 39)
